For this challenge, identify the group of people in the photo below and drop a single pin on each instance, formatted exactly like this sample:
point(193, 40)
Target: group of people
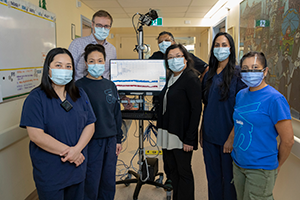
point(75, 127)
point(73, 119)
point(241, 120)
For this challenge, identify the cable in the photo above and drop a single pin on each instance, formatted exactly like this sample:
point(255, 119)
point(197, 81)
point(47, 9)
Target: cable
point(132, 20)
point(151, 128)
point(147, 134)
point(147, 169)
point(135, 131)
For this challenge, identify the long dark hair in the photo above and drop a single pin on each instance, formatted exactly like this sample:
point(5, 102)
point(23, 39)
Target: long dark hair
point(228, 71)
point(189, 64)
point(46, 83)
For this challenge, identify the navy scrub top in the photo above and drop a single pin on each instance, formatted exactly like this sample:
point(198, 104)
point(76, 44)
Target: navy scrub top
point(39, 111)
point(217, 115)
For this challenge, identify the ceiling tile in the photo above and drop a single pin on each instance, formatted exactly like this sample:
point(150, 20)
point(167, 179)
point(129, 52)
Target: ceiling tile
point(198, 9)
point(173, 9)
point(153, 3)
point(209, 3)
point(143, 10)
point(116, 15)
point(99, 4)
point(165, 8)
point(173, 15)
point(195, 15)
point(111, 10)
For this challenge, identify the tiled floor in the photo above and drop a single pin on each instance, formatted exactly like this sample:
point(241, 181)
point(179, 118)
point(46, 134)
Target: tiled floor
point(149, 192)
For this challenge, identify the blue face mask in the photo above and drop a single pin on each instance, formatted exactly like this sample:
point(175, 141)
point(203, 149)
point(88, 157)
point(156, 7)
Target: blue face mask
point(252, 79)
point(61, 76)
point(176, 64)
point(164, 45)
point(222, 53)
point(101, 33)
point(96, 70)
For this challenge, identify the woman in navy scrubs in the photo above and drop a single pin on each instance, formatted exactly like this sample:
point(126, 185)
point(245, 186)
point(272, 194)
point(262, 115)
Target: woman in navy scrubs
point(220, 85)
point(60, 122)
point(105, 145)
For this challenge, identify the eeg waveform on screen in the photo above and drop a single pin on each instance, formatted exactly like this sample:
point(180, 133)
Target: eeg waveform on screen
point(130, 75)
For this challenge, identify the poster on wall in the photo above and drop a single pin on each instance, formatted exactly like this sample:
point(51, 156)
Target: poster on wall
point(27, 33)
point(272, 27)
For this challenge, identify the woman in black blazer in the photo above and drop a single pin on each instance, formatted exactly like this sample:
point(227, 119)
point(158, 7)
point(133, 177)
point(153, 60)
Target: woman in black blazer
point(178, 119)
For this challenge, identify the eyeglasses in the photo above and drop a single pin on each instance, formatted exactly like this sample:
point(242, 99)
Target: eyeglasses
point(103, 26)
point(252, 70)
point(177, 56)
point(166, 40)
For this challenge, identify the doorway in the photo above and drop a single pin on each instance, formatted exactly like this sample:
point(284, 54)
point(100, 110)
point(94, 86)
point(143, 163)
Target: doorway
point(86, 26)
point(219, 27)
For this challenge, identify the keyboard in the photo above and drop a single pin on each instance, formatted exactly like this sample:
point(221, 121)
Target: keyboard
point(138, 114)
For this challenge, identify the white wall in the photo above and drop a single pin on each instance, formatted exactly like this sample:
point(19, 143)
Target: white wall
point(15, 164)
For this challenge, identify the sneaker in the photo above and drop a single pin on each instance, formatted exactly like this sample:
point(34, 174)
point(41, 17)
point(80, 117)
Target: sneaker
point(168, 183)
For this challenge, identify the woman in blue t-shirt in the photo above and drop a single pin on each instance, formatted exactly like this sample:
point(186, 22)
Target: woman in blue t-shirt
point(261, 114)
point(60, 122)
point(105, 144)
point(220, 85)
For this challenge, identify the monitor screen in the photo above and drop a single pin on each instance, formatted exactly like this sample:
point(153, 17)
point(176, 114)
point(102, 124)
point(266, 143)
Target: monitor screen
point(138, 77)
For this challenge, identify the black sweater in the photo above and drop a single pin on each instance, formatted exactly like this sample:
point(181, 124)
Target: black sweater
point(183, 110)
point(104, 99)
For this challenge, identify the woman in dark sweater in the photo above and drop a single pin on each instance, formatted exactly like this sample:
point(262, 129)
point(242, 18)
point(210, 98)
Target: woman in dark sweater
point(105, 144)
point(178, 119)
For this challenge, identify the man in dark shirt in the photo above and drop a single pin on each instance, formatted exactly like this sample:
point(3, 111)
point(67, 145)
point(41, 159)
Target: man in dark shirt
point(166, 39)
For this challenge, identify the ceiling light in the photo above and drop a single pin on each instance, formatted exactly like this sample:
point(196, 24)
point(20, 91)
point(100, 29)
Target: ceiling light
point(215, 8)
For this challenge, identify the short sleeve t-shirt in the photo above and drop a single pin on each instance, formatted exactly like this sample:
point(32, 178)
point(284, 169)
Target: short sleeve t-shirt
point(39, 111)
point(255, 116)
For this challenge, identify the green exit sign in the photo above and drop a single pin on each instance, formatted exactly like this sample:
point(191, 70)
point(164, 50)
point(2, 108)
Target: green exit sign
point(157, 22)
point(262, 23)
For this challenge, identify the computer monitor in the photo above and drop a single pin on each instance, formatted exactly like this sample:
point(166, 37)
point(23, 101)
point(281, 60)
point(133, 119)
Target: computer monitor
point(138, 76)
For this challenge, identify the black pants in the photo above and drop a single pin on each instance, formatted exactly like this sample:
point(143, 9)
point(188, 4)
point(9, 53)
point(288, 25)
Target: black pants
point(179, 163)
point(166, 166)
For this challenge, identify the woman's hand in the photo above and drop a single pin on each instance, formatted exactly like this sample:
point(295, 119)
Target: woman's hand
point(201, 138)
point(118, 149)
point(80, 160)
point(286, 135)
point(71, 154)
point(228, 146)
point(187, 148)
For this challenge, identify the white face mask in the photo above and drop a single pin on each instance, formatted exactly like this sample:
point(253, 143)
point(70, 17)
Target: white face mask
point(164, 45)
point(61, 76)
point(221, 53)
point(96, 70)
point(101, 33)
point(176, 64)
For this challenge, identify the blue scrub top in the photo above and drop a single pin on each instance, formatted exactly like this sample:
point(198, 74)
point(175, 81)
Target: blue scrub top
point(39, 111)
point(217, 115)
